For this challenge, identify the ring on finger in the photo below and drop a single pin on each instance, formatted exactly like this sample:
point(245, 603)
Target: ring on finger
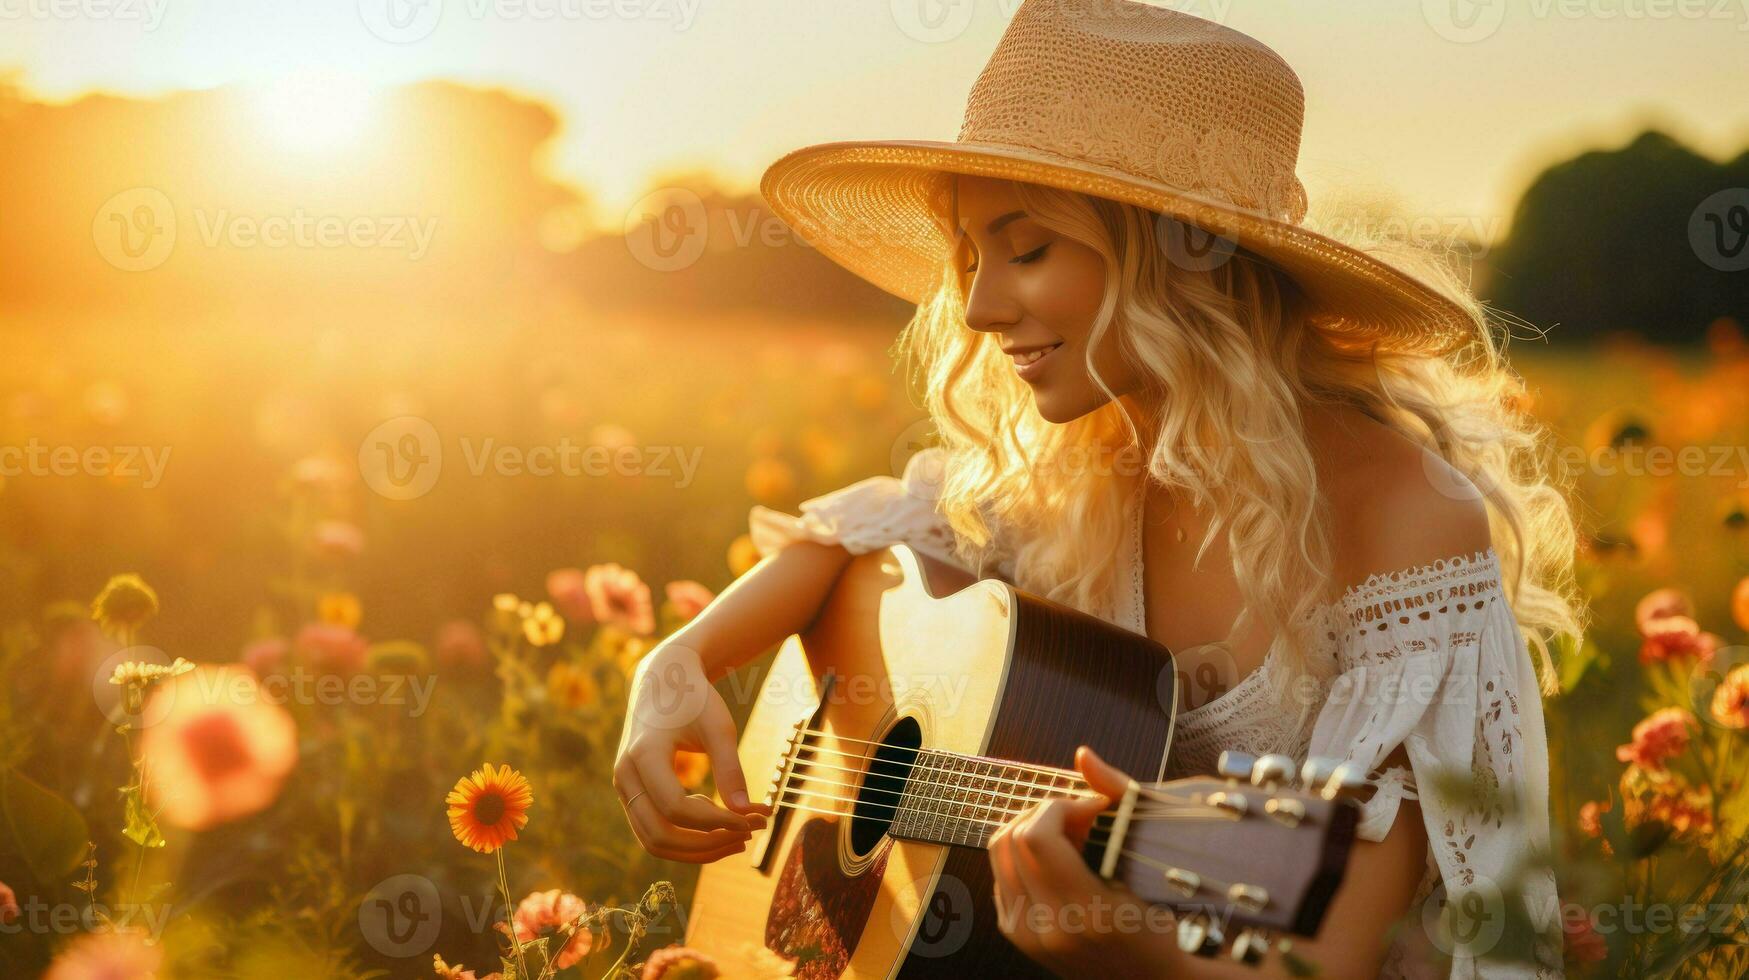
point(634, 798)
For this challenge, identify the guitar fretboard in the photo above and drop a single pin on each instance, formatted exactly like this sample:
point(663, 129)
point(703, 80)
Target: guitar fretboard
point(964, 800)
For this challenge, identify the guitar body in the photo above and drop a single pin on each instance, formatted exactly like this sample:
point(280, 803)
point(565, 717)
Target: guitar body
point(920, 654)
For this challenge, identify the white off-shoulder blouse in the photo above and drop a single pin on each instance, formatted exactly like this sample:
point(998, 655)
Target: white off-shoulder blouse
point(1428, 657)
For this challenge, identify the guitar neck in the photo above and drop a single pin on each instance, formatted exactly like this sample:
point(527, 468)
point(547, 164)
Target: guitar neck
point(963, 800)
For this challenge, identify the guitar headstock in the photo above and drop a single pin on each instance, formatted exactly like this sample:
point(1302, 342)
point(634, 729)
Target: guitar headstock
point(1259, 849)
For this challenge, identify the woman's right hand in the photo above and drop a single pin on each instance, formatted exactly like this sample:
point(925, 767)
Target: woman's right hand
point(673, 705)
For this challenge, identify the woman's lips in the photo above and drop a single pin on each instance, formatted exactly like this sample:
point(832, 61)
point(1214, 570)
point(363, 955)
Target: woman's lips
point(1030, 366)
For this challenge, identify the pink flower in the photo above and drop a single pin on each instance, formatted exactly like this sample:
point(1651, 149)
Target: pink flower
point(618, 597)
point(1677, 636)
point(267, 657)
point(112, 955)
point(459, 644)
point(688, 598)
point(1661, 604)
point(1665, 619)
point(220, 750)
point(1662, 736)
point(1591, 817)
point(332, 648)
point(545, 913)
point(679, 963)
point(337, 539)
point(8, 904)
point(570, 594)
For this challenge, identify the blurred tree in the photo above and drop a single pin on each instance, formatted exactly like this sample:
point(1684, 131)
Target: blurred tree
point(1611, 241)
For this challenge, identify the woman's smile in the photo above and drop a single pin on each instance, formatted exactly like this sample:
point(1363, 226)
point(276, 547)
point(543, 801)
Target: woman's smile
point(1031, 363)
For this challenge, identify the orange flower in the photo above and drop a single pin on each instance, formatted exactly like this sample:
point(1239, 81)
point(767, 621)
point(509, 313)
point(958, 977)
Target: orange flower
point(1730, 705)
point(1582, 943)
point(742, 555)
point(220, 749)
point(1591, 817)
point(1740, 604)
point(572, 686)
point(545, 913)
point(618, 597)
point(106, 955)
point(487, 808)
point(1663, 735)
point(446, 972)
point(679, 963)
point(339, 608)
point(8, 904)
point(688, 598)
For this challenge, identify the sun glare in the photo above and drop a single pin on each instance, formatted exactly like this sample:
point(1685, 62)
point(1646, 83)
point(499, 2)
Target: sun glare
point(314, 112)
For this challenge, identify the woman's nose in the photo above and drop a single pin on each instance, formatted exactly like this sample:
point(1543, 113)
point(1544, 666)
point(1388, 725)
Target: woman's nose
point(988, 308)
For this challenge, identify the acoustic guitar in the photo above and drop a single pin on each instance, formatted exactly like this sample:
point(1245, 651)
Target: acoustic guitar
point(920, 711)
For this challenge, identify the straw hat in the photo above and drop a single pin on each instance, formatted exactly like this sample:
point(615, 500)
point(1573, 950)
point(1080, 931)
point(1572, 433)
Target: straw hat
point(1126, 101)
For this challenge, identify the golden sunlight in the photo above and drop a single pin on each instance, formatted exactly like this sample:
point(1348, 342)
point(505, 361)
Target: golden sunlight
point(315, 111)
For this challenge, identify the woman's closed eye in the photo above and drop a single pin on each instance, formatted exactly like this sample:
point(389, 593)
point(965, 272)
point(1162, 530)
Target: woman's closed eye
point(1032, 256)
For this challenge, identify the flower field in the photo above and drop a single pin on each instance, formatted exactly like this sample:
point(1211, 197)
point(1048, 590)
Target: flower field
point(271, 721)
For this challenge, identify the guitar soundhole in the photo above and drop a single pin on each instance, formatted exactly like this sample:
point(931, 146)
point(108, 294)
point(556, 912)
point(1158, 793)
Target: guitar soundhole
point(878, 798)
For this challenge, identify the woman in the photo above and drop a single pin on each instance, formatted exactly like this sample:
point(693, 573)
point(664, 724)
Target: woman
point(1163, 401)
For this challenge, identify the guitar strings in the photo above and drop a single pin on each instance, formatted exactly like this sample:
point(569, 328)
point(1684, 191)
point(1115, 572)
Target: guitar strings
point(1151, 796)
point(1126, 852)
point(818, 795)
point(1051, 771)
point(990, 778)
point(1140, 809)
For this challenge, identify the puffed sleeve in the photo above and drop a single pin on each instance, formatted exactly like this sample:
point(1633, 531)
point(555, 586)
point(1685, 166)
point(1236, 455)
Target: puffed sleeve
point(869, 514)
point(1433, 660)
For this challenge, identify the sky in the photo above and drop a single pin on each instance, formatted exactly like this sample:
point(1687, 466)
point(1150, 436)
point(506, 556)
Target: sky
point(1444, 108)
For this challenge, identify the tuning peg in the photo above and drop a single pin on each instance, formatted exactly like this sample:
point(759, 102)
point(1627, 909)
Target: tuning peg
point(1235, 765)
point(1287, 812)
point(1272, 770)
point(1234, 803)
point(1198, 934)
point(1183, 882)
point(1250, 946)
point(1251, 898)
point(1316, 772)
point(1345, 783)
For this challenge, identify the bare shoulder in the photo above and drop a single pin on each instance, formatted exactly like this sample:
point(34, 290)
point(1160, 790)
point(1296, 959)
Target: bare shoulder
point(1394, 504)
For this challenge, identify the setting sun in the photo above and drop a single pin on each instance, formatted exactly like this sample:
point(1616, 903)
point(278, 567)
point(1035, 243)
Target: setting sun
point(315, 112)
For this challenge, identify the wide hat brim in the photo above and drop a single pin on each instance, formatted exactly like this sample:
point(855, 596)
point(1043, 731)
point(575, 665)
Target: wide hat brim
point(865, 205)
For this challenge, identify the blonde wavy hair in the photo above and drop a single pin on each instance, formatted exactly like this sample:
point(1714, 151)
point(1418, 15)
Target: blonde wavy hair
point(1235, 335)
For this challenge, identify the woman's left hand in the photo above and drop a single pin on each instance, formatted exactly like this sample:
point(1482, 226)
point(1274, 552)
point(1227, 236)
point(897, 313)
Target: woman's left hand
point(1057, 911)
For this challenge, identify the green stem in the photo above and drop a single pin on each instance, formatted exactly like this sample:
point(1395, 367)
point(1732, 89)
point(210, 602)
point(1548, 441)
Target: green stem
point(613, 971)
point(509, 917)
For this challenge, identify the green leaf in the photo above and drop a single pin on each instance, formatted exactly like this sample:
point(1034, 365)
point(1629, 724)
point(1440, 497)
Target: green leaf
point(50, 834)
point(142, 827)
point(1572, 662)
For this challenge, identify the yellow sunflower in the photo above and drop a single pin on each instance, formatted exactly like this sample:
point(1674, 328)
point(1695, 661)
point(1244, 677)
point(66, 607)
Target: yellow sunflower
point(488, 807)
